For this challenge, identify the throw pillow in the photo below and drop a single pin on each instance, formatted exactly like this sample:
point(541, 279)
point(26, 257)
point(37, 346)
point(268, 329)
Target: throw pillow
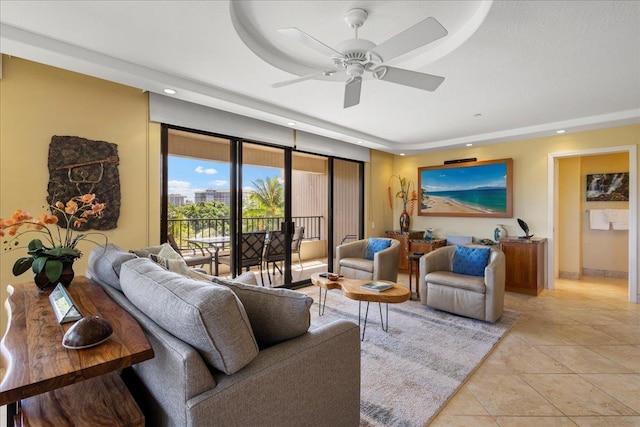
point(170, 264)
point(207, 316)
point(376, 245)
point(169, 253)
point(470, 261)
point(276, 315)
point(144, 252)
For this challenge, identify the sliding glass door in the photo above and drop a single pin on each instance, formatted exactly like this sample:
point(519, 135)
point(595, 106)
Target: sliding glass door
point(271, 210)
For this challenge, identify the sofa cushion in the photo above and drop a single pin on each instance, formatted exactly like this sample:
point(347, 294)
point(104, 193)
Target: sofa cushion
point(209, 317)
point(376, 245)
point(105, 263)
point(470, 260)
point(276, 315)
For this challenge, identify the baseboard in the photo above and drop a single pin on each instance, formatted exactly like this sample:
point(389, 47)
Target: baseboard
point(569, 275)
point(605, 273)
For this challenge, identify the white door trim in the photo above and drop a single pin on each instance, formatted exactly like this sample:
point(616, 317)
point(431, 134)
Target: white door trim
point(633, 210)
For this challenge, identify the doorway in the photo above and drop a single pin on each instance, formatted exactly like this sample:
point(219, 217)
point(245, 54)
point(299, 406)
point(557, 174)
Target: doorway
point(553, 213)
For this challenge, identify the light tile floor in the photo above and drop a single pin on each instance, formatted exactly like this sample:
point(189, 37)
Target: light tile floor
point(572, 359)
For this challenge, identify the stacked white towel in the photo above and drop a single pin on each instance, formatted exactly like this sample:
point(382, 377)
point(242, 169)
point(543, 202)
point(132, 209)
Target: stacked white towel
point(619, 218)
point(598, 219)
point(603, 219)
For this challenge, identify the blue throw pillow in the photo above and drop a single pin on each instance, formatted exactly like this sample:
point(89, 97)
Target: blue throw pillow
point(376, 245)
point(470, 261)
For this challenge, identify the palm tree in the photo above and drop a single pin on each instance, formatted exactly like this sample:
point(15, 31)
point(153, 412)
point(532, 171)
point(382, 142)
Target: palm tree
point(269, 195)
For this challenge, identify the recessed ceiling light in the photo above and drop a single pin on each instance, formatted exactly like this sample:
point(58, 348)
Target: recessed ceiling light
point(291, 123)
point(360, 142)
point(477, 115)
point(469, 145)
point(402, 154)
point(561, 131)
point(170, 91)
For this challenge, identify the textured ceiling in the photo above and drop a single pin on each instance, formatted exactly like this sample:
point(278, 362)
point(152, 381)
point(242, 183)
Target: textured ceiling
point(530, 68)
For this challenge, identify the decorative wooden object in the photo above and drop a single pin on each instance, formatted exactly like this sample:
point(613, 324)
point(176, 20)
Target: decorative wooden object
point(37, 363)
point(525, 264)
point(80, 166)
point(404, 238)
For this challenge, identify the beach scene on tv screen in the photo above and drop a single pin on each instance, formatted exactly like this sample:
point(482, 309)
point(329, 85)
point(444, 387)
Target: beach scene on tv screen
point(468, 189)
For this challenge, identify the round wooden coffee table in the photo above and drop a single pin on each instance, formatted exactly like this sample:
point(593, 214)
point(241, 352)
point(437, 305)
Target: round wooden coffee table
point(352, 289)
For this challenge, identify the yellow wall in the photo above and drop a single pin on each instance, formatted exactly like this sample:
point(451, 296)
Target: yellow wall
point(38, 102)
point(378, 214)
point(569, 218)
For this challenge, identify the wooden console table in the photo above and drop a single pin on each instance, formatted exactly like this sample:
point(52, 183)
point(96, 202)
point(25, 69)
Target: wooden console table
point(63, 387)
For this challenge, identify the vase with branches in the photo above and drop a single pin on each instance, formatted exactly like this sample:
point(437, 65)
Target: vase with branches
point(407, 195)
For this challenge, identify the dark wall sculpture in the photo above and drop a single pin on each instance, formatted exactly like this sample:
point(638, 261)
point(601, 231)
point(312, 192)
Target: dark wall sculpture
point(80, 166)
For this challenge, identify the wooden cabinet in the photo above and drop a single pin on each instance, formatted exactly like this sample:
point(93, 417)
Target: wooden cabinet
point(404, 238)
point(525, 265)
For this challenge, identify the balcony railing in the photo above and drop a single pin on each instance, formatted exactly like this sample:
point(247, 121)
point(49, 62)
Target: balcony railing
point(183, 229)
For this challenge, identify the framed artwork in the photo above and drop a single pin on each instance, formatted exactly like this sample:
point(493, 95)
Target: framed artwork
point(608, 187)
point(475, 189)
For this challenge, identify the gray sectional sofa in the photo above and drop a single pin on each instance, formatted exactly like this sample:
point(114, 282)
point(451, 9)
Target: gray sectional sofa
point(231, 354)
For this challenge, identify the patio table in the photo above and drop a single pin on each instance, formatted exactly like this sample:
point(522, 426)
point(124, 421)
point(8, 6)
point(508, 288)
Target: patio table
point(216, 243)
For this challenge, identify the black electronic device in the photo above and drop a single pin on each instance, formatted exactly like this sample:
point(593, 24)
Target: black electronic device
point(471, 159)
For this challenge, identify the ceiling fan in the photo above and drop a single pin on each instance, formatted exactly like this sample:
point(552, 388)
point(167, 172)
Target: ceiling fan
point(355, 56)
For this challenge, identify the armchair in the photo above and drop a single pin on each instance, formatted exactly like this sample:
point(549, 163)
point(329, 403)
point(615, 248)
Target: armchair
point(478, 297)
point(351, 261)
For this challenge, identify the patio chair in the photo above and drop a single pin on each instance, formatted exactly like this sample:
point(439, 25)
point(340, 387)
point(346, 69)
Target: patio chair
point(296, 242)
point(251, 251)
point(194, 258)
point(274, 251)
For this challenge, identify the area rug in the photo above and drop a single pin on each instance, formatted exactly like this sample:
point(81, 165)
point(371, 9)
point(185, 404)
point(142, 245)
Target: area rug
point(410, 372)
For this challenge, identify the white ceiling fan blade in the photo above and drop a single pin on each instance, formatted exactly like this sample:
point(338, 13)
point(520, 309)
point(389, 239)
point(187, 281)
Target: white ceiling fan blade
point(412, 38)
point(352, 92)
point(408, 78)
point(309, 41)
point(303, 78)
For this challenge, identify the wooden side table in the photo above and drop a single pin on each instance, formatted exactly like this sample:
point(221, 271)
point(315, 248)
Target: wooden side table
point(403, 238)
point(424, 246)
point(68, 387)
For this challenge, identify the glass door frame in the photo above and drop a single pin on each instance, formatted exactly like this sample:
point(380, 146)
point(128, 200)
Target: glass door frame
point(235, 203)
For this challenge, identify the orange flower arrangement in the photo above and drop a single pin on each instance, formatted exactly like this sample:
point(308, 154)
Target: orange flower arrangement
point(60, 246)
point(405, 193)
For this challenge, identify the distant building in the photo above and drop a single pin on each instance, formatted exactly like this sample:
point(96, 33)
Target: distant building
point(177, 199)
point(210, 195)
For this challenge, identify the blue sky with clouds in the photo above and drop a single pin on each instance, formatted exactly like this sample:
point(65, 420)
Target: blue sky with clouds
point(187, 175)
